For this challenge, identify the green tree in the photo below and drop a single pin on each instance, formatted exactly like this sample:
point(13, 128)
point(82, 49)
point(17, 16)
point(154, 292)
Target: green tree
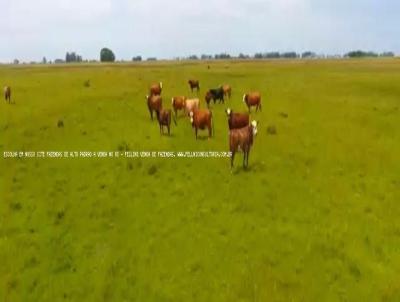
point(106, 55)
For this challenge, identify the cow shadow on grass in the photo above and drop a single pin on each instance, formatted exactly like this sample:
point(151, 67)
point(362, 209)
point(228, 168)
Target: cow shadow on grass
point(202, 137)
point(253, 167)
point(171, 135)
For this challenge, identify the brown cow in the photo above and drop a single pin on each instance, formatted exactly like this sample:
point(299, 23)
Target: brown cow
point(178, 103)
point(7, 94)
point(237, 120)
point(155, 89)
point(252, 99)
point(164, 119)
point(154, 102)
point(200, 119)
point(194, 84)
point(227, 90)
point(242, 139)
point(191, 105)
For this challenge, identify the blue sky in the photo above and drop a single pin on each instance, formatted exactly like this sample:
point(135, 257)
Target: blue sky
point(32, 29)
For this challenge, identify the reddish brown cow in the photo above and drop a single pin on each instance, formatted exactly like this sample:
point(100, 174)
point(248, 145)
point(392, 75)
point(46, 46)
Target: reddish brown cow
point(154, 103)
point(7, 94)
point(242, 139)
point(227, 90)
point(164, 119)
point(194, 84)
point(178, 103)
point(237, 120)
point(202, 119)
point(155, 89)
point(252, 99)
point(191, 105)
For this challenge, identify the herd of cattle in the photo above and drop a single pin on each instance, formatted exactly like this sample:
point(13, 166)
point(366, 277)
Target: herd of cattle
point(241, 130)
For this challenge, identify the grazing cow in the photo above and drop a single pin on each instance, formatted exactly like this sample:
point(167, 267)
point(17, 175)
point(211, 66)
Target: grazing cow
point(155, 89)
point(227, 90)
point(154, 103)
point(242, 139)
point(164, 119)
point(194, 84)
point(214, 94)
point(252, 99)
point(237, 120)
point(178, 103)
point(191, 105)
point(7, 94)
point(200, 119)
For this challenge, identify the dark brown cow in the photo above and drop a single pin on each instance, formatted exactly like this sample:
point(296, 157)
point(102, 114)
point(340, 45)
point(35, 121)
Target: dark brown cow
point(194, 84)
point(164, 119)
point(237, 120)
point(216, 94)
point(227, 90)
point(242, 139)
point(7, 94)
point(178, 103)
point(252, 99)
point(155, 89)
point(202, 119)
point(154, 102)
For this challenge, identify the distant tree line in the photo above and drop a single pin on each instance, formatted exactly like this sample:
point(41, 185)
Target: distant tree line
point(107, 55)
point(367, 54)
point(72, 57)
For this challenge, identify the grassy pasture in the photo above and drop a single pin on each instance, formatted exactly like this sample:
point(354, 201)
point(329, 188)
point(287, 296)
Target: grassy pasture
point(314, 218)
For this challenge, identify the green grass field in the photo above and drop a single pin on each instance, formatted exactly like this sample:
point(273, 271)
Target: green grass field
point(314, 218)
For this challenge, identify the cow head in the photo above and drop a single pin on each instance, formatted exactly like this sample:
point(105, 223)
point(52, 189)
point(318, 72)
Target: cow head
point(254, 125)
point(228, 111)
point(191, 117)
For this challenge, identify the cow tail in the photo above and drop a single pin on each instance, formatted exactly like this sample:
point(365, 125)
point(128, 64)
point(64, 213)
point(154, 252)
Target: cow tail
point(174, 117)
point(212, 124)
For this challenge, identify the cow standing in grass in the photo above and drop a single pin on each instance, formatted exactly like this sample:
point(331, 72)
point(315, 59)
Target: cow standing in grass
point(154, 103)
point(202, 119)
point(237, 120)
point(227, 90)
point(7, 94)
point(191, 105)
point(194, 84)
point(156, 89)
point(214, 94)
point(252, 99)
point(242, 139)
point(178, 103)
point(164, 119)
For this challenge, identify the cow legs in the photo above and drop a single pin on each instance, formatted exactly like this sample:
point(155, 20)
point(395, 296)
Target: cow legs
point(196, 132)
point(232, 158)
